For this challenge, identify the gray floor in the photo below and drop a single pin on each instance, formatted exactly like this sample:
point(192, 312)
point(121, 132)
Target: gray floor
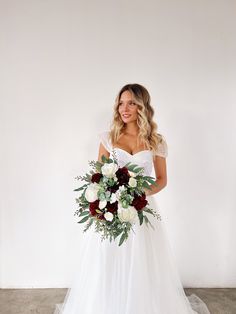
point(42, 301)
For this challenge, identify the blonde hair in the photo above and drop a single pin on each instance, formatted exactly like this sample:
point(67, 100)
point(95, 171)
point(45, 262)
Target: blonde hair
point(147, 127)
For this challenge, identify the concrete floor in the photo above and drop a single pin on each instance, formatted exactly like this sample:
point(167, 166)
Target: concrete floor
point(42, 301)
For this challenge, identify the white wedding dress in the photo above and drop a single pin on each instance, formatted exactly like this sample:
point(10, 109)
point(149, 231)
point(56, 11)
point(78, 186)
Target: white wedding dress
point(138, 277)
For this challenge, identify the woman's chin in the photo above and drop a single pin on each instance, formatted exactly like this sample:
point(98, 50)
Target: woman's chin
point(127, 120)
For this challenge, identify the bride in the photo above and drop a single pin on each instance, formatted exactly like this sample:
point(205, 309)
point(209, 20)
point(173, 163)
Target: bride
point(141, 275)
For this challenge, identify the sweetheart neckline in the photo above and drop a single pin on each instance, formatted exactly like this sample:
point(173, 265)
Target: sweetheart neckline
point(141, 151)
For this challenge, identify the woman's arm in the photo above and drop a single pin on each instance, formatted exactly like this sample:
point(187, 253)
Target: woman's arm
point(161, 175)
point(102, 151)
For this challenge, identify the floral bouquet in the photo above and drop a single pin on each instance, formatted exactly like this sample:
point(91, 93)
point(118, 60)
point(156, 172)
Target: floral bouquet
point(113, 198)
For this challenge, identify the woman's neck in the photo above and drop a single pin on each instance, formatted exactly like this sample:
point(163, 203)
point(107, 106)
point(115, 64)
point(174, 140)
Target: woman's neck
point(131, 129)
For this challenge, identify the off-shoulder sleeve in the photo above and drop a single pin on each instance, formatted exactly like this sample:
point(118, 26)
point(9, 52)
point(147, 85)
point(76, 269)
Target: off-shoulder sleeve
point(162, 149)
point(104, 139)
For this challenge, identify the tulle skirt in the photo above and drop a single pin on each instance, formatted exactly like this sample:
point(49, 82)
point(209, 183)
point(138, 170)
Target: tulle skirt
point(138, 277)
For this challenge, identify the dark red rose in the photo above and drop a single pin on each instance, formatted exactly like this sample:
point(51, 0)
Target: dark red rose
point(123, 175)
point(139, 201)
point(96, 177)
point(112, 207)
point(93, 206)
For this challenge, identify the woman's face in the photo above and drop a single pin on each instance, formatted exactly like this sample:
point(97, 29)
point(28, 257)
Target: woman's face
point(127, 108)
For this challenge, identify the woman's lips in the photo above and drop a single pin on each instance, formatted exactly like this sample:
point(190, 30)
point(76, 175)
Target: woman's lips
point(126, 115)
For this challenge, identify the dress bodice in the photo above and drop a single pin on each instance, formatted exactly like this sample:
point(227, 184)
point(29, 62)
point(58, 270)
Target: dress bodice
point(142, 158)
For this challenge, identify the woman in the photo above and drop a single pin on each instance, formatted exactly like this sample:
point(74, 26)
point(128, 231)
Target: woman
point(140, 276)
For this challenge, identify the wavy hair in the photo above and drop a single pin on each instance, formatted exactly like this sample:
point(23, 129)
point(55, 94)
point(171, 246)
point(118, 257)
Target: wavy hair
point(147, 127)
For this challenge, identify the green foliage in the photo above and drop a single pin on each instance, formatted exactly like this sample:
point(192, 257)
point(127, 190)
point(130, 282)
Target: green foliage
point(106, 160)
point(146, 185)
point(119, 231)
point(111, 230)
point(84, 219)
point(88, 225)
point(148, 210)
point(150, 180)
point(86, 177)
point(81, 188)
point(98, 166)
point(123, 237)
point(140, 216)
point(84, 213)
point(134, 168)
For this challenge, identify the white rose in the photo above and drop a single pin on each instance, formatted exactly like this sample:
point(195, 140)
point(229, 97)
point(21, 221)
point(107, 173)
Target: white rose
point(109, 170)
point(127, 214)
point(113, 198)
point(132, 182)
point(91, 192)
point(108, 216)
point(102, 204)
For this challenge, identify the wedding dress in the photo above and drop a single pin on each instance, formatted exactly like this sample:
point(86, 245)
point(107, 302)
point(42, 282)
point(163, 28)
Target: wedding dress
point(138, 277)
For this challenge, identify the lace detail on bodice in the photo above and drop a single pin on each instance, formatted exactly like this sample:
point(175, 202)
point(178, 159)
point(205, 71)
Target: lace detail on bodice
point(142, 158)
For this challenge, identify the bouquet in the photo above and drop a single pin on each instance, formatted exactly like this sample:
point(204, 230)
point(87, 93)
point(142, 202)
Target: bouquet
point(113, 198)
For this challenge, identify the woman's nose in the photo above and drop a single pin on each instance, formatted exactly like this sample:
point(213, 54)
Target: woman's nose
point(126, 107)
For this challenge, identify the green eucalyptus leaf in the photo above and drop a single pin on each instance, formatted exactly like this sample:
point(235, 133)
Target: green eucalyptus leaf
point(132, 167)
point(118, 233)
point(84, 219)
point(81, 188)
point(122, 238)
point(89, 224)
point(148, 210)
point(84, 213)
point(138, 169)
point(127, 165)
point(151, 181)
point(147, 177)
point(140, 216)
point(104, 159)
point(146, 185)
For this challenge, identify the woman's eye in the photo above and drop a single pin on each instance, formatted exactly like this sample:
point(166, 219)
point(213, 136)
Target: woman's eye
point(131, 103)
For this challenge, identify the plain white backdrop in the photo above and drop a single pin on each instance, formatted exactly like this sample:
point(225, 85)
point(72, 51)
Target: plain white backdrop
point(62, 64)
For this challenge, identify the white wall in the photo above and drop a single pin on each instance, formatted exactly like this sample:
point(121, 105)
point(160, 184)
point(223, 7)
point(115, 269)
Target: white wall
point(62, 64)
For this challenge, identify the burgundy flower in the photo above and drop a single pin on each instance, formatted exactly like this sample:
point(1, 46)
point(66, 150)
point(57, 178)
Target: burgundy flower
point(123, 175)
point(96, 177)
point(93, 206)
point(139, 201)
point(112, 207)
